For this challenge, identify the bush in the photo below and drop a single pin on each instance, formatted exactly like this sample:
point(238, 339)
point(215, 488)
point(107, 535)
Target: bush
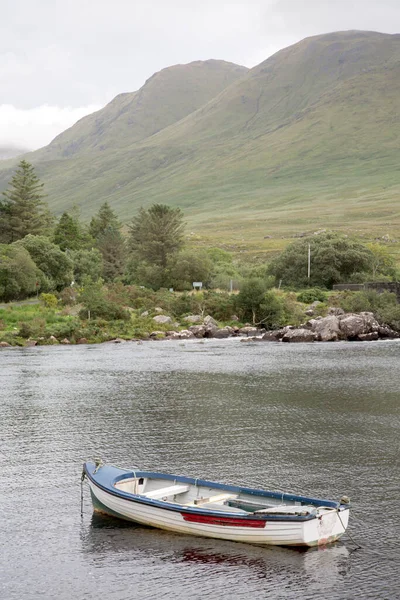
point(311, 295)
point(49, 300)
point(25, 330)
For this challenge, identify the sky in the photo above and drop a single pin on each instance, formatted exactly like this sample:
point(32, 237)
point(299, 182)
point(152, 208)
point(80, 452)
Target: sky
point(63, 59)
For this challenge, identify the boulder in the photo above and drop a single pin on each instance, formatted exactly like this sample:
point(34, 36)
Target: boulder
point(185, 334)
point(368, 337)
point(31, 343)
point(158, 309)
point(386, 332)
point(65, 341)
point(157, 334)
point(371, 324)
point(351, 326)
point(198, 330)
point(221, 333)
point(82, 341)
point(334, 310)
point(272, 336)
point(162, 319)
point(354, 325)
point(208, 320)
point(326, 329)
point(193, 319)
point(234, 318)
point(5, 345)
point(299, 335)
point(118, 341)
point(172, 335)
point(145, 313)
point(249, 331)
point(53, 340)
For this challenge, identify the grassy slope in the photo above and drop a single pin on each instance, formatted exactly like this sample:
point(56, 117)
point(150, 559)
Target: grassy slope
point(308, 139)
point(167, 97)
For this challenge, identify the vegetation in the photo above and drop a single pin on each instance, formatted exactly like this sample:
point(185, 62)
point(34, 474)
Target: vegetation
point(23, 211)
point(335, 258)
point(97, 282)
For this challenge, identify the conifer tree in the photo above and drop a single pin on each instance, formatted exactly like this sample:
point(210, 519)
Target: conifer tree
point(23, 210)
point(106, 230)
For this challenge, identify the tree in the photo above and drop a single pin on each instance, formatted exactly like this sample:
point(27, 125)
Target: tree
point(18, 273)
point(86, 263)
point(250, 299)
point(69, 234)
point(157, 234)
point(189, 266)
point(105, 220)
point(54, 265)
point(335, 258)
point(106, 230)
point(383, 263)
point(23, 211)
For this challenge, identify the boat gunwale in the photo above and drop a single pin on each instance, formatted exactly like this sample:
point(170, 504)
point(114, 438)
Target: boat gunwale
point(173, 506)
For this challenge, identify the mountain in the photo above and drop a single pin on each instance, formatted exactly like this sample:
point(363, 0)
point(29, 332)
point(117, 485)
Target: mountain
point(307, 139)
point(167, 97)
point(7, 152)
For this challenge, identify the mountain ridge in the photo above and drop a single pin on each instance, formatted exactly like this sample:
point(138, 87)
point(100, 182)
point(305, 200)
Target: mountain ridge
point(308, 138)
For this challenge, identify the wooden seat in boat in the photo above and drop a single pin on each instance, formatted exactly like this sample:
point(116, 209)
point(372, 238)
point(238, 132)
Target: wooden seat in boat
point(172, 490)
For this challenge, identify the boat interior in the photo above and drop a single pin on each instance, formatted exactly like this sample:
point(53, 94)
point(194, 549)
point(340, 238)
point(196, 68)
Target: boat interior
point(191, 495)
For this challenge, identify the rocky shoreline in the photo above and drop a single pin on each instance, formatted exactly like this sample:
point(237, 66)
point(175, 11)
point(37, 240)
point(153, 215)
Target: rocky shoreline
point(336, 326)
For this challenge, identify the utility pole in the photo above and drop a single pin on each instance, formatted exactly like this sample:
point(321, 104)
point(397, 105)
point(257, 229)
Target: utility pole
point(309, 262)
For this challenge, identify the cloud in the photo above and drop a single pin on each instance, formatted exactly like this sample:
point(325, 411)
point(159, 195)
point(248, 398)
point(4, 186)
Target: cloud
point(35, 127)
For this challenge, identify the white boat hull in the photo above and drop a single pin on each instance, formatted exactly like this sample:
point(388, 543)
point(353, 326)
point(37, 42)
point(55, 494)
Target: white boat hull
point(327, 526)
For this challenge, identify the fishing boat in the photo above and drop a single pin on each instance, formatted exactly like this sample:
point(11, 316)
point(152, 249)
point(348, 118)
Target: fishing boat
point(215, 510)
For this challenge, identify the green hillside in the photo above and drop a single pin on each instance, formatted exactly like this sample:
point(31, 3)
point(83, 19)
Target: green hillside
point(167, 97)
point(308, 139)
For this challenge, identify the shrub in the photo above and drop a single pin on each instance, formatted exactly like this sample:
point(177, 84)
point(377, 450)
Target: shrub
point(311, 295)
point(49, 300)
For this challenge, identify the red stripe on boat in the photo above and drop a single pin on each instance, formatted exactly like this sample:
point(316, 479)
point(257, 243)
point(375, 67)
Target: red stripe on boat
point(226, 521)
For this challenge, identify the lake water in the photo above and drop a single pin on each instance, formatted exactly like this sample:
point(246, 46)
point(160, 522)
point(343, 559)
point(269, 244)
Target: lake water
point(319, 419)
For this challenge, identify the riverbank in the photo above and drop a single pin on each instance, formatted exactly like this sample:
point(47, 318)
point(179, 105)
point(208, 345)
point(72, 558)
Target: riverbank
point(36, 325)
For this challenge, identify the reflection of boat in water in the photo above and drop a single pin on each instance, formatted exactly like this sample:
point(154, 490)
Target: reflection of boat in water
point(106, 537)
point(215, 510)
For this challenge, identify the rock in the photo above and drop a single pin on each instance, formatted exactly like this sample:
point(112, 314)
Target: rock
point(145, 313)
point(234, 318)
point(162, 319)
point(31, 343)
point(386, 332)
point(198, 330)
point(309, 312)
point(193, 318)
point(326, 329)
point(371, 323)
point(368, 337)
point(117, 341)
point(354, 325)
point(185, 334)
point(351, 326)
point(221, 333)
point(249, 331)
point(5, 345)
point(334, 310)
point(157, 334)
point(299, 335)
point(208, 320)
point(65, 341)
point(82, 341)
point(273, 336)
point(172, 335)
point(53, 340)
point(158, 309)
